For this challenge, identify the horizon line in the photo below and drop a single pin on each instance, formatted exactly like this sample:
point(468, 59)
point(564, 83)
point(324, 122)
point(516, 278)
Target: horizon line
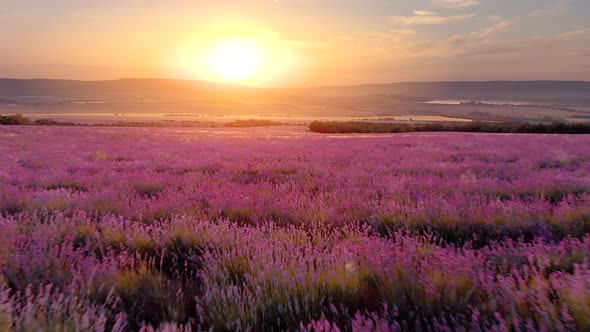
point(291, 87)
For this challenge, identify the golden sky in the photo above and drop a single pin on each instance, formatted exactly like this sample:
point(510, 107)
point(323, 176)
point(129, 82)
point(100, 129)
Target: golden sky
point(297, 42)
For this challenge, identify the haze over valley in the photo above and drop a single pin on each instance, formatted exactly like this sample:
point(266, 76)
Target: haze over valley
point(156, 99)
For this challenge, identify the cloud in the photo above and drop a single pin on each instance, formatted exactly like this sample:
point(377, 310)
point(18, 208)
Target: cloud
point(423, 12)
point(571, 43)
point(550, 10)
point(426, 17)
point(499, 26)
point(575, 33)
point(460, 3)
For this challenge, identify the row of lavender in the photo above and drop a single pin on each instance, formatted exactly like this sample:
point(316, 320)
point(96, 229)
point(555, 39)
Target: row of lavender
point(122, 229)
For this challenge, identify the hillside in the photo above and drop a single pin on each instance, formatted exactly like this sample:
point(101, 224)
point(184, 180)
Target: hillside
point(496, 101)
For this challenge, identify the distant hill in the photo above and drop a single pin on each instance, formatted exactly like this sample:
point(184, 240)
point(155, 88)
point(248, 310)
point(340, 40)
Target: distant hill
point(135, 89)
point(113, 90)
point(540, 101)
point(497, 90)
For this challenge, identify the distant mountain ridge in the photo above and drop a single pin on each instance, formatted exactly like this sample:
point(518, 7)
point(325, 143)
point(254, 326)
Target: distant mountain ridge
point(126, 88)
point(179, 90)
point(519, 90)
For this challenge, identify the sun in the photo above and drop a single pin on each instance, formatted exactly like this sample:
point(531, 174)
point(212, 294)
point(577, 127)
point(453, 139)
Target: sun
point(254, 59)
point(235, 60)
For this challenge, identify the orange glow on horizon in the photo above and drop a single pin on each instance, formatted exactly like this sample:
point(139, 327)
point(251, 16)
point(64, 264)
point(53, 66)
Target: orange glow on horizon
point(254, 57)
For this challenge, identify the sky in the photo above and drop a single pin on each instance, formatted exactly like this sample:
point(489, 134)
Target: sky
point(302, 42)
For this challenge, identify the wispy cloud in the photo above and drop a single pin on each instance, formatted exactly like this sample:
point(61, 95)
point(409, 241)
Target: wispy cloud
point(460, 3)
point(497, 27)
point(427, 17)
point(571, 43)
point(550, 10)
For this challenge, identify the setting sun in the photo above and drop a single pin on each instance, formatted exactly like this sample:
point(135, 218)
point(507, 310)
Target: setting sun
point(252, 57)
point(235, 60)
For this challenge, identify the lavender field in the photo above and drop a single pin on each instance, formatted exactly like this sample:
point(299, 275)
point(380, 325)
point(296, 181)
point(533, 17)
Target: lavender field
point(126, 229)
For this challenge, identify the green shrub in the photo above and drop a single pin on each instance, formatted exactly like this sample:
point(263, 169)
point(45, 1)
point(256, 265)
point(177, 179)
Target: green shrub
point(476, 126)
point(16, 119)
